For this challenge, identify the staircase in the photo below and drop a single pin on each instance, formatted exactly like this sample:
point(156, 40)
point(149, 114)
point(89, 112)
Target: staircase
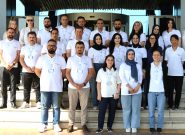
point(30, 117)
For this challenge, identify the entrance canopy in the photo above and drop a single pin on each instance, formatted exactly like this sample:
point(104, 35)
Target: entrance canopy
point(48, 5)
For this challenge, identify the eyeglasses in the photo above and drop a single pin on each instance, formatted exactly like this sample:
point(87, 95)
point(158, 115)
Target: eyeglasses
point(29, 20)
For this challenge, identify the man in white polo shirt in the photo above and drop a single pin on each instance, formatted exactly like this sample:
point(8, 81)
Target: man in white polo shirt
point(175, 57)
point(86, 32)
point(28, 58)
point(51, 70)
point(78, 72)
point(71, 51)
point(64, 29)
point(44, 35)
point(117, 29)
point(9, 56)
point(100, 30)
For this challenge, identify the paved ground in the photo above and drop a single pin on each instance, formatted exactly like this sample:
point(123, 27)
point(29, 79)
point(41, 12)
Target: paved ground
point(79, 132)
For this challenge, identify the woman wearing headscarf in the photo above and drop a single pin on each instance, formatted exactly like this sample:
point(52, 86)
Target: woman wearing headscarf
point(130, 74)
point(97, 53)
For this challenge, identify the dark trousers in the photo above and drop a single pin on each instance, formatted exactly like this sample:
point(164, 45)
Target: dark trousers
point(6, 78)
point(28, 79)
point(111, 103)
point(174, 82)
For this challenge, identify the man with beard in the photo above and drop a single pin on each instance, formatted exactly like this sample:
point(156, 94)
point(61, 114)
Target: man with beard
point(28, 58)
point(117, 29)
point(44, 35)
point(9, 56)
point(51, 70)
point(78, 72)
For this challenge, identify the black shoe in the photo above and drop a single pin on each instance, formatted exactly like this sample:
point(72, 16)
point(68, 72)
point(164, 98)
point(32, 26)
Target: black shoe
point(17, 88)
point(13, 105)
point(70, 129)
point(175, 108)
point(109, 130)
point(159, 130)
point(3, 106)
point(85, 129)
point(62, 106)
point(99, 131)
point(152, 130)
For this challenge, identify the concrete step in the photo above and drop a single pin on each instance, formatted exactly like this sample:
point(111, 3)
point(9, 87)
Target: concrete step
point(31, 117)
point(19, 99)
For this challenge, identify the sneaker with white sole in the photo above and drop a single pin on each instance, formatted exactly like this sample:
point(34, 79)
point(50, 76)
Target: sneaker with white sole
point(25, 105)
point(38, 105)
point(134, 130)
point(57, 128)
point(128, 130)
point(42, 128)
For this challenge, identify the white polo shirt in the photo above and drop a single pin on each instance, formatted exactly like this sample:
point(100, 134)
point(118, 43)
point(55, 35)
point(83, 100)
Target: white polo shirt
point(23, 38)
point(44, 36)
point(85, 36)
point(79, 67)
point(140, 53)
point(9, 49)
point(31, 55)
point(65, 33)
point(126, 78)
point(161, 42)
point(61, 49)
point(123, 34)
point(109, 81)
point(156, 78)
point(51, 76)
point(166, 36)
point(98, 56)
point(104, 34)
point(71, 46)
point(119, 55)
point(175, 61)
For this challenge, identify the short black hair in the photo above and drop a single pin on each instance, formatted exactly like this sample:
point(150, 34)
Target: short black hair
point(47, 18)
point(79, 43)
point(78, 27)
point(118, 20)
point(63, 15)
point(99, 19)
point(10, 28)
point(52, 40)
point(174, 36)
point(54, 29)
point(80, 17)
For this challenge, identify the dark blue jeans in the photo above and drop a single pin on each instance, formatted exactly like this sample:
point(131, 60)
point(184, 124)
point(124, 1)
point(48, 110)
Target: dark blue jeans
point(103, 104)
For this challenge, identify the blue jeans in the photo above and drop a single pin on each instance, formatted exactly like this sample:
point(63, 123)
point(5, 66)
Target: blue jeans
point(156, 99)
point(92, 82)
point(48, 99)
point(131, 110)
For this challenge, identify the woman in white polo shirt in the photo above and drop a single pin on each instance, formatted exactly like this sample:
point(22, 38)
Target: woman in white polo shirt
point(154, 83)
point(117, 49)
point(130, 74)
point(108, 86)
point(175, 57)
point(170, 30)
point(97, 53)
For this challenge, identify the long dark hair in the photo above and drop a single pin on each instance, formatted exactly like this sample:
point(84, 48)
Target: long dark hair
point(173, 24)
point(156, 35)
point(148, 44)
point(112, 43)
point(133, 31)
point(105, 64)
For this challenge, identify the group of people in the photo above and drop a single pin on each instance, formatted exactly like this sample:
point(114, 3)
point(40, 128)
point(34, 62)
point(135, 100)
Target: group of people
point(111, 66)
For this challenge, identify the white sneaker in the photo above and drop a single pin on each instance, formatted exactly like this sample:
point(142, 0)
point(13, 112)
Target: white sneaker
point(134, 130)
point(127, 130)
point(43, 128)
point(25, 105)
point(38, 105)
point(57, 128)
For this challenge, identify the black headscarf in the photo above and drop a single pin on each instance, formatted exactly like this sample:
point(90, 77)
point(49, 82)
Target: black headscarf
point(96, 46)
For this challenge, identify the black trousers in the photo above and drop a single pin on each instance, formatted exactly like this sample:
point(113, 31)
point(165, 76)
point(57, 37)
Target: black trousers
point(8, 77)
point(28, 79)
point(174, 82)
point(111, 103)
